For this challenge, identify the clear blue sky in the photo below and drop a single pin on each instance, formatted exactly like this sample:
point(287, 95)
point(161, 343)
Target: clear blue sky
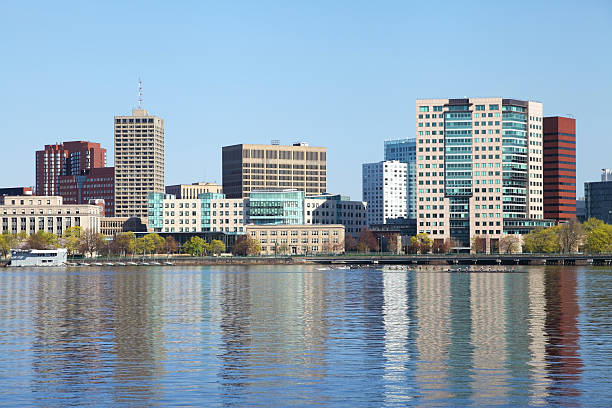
point(340, 74)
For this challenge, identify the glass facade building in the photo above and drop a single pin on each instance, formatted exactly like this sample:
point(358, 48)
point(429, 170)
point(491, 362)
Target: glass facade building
point(276, 207)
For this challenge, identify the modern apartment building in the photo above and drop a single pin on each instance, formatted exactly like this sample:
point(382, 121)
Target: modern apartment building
point(298, 239)
point(559, 168)
point(31, 214)
point(92, 184)
point(404, 150)
point(329, 209)
point(209, 212)
point(139, 162)
point(248, 167)
point(479, 168)
point(384, 191)
point(65, 159)
point(598, 198)
point(193, 190)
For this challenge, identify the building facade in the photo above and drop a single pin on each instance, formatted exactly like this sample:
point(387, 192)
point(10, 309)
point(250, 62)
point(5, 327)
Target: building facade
point(65, 159)
point(404, 150)
point(193, 190)
point(16, 191)
point(209, 212)
point(384, 191)
point(479, 168)
point(331, 209)
point(298, 239)
point(31, 214)
point(598, 200)
point(559, 168)
point(139, 162)
point(275, 207)
point(93, 184)
point(248, 167)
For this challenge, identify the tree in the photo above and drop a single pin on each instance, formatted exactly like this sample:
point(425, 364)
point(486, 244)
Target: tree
point(195, 246)
point(420, 243)
point(542, 240)
point(170, 245)
point(367, 241)
point(72, 238)
point(91, 242)
point(246, 246)
point(124, 243)
point(393, 243)
point(350, 244)
point(43, 240)
point(509, 244)
point(479, 244)
point(150, 243)
point(217, 246)
point(283, 249)
point(570, 235)
point(598, 236)
point(158, 243)
point(448, 245)
point(5, 248)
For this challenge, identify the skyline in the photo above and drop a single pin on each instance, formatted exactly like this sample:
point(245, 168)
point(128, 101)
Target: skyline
point(239, 73)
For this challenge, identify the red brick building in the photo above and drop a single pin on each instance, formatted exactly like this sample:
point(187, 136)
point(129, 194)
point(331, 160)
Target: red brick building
point(93, 184)
point(559, 168)
point(66, 159)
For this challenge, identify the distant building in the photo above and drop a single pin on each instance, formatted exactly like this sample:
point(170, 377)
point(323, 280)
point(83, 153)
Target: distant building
point(330, 209)
point(298, 239)
point(45, 213)
point(559, 168)
point(581, 209)
point(248, 167)
point(404, 150)
point(16, 191)
point(65, 159)
point(598, 200)
point(111, 226)
point(92, 184)
point(275, 207)
point(384, 191)
point(606, 175)
point(139, 162)
point(193, 190)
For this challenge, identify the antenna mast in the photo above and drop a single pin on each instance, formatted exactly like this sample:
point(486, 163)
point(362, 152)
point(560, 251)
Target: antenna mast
point(139, 94)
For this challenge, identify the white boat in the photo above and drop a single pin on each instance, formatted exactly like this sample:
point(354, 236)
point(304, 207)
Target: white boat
point(83, 264)
point(109, 264)
point(120, 263)
point(144, 263)
point(39, 257)
point(155, 263)
point(97, 264)
point(168, 263)
point(132, 263)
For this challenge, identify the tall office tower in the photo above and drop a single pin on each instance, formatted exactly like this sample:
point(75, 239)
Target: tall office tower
point(479, 168)
point(404, 150)
point(139, 162)
point(248, 167)
point(384, 191)
point(559, 168)
point(65, 159)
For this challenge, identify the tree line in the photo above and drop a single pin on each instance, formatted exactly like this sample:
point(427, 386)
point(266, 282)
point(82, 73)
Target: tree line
point(593, 236)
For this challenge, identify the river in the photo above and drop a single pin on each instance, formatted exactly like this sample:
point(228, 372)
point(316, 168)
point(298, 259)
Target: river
point(267, 336)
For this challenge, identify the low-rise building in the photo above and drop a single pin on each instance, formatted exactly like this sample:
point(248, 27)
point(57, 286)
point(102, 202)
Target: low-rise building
point(193, 190)
point(31, 214)
point(298, 239)
point(329, 209)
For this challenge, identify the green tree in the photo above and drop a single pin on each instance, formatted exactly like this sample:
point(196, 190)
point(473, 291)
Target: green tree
point(43, 240)
point(72, 238)
point(4, 245)
point(541, 240)
point(124, 243)
point(420, 243)
point(598, 236)
point(217, 246)
point(195, 246)
point(149, 243)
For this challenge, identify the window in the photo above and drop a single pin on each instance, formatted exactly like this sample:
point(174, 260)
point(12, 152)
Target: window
point(480, 107)
point(423, 108)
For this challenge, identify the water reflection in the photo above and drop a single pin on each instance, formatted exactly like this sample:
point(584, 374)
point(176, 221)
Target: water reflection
point(266, 336)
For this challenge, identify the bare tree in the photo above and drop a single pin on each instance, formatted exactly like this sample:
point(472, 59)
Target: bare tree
point(509, 244)
point(91, 242)
point(570, 235)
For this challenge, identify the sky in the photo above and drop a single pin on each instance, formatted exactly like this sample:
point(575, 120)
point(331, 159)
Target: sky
point(339, 74)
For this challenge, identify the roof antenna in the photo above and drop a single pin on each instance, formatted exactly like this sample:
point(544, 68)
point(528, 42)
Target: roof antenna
point(139, 94)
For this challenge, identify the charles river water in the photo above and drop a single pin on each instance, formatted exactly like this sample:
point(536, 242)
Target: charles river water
point(301, 336)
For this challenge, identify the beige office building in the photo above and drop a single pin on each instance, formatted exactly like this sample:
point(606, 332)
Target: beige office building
point(31, 214)
point(248, 167)
point(139, 162)
point(193, 190)
point(479, 168)
point(298, 239)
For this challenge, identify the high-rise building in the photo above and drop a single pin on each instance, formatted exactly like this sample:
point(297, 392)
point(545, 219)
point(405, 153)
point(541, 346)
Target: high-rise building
point(384, 191)
point(479, 168)
point(404, 150)
point(93, 184)
point(248, 167)
point(65, 159)
point(598, 198)
point(139, 162)
point(559, 168)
